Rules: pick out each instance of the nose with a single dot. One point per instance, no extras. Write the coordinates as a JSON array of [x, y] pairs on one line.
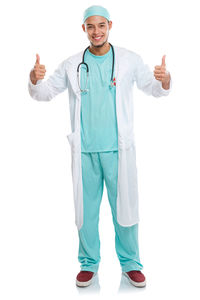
[[96, 30]]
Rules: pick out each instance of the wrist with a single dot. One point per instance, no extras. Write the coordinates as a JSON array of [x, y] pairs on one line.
[[32, 78], [166, 83]]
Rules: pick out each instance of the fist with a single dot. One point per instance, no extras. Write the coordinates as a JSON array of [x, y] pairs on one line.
[[38, 72], [160, 72]]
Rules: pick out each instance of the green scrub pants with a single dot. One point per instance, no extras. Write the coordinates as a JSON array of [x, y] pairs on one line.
[[97, 167]]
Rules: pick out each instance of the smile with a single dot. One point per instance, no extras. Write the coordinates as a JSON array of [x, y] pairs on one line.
[[97, 38]]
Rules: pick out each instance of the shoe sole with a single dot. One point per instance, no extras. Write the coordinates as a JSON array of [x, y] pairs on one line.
[[135, 283], [85, 283]]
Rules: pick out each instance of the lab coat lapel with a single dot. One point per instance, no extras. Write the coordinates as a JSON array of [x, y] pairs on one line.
[[72, 74]]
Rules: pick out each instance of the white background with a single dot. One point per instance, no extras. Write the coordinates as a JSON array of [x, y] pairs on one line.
[[38, 236]]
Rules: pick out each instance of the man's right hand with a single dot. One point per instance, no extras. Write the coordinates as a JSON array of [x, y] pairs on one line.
[[38, 72]]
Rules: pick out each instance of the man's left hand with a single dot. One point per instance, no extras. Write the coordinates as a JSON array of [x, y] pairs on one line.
[[162, 75]]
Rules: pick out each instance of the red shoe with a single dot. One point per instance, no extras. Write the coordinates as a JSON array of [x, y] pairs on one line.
[[84, 278], [136, 278]]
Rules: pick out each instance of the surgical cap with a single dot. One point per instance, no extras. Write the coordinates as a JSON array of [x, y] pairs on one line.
[[96, 10]]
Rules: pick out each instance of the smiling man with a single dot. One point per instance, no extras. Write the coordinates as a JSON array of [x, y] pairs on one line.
[[102, 139], [97, 30]]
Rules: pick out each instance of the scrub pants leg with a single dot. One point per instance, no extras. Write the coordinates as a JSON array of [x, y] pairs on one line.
[[89, 243], [97, 167]]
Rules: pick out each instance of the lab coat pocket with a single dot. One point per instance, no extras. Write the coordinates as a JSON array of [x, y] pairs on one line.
[[76, 169], [74, 141], [126, 141]]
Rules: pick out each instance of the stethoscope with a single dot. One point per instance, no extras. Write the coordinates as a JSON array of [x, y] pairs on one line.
[[112, 80]]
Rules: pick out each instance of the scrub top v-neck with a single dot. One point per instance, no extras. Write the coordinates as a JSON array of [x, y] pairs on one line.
[[98, 105]]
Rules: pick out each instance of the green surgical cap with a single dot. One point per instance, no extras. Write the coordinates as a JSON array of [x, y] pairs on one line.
[[96, 10]]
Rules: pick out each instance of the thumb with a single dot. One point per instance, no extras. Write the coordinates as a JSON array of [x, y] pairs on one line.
[[37, 59], [163, 61]]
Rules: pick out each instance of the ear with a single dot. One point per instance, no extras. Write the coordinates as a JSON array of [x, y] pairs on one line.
[[110, 24], [83, 26]]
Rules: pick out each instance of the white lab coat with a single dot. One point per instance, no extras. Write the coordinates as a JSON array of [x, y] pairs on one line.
[[129, 69]]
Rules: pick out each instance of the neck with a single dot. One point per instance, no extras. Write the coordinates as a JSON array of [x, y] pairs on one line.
[[100, 50]]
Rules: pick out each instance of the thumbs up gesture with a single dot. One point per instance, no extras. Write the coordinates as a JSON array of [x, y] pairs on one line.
[[38, 72], [162, 75]]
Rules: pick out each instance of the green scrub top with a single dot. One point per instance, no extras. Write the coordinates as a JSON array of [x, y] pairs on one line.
[[98, 105]]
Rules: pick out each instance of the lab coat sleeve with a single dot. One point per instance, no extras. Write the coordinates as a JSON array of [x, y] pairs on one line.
[[55, 84], [146, 81]]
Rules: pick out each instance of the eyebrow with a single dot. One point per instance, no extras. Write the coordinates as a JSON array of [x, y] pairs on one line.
[[99, 23]]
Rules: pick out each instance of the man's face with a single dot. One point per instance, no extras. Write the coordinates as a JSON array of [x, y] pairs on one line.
[[97, 29]]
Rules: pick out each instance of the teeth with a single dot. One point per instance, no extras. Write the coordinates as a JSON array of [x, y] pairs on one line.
[[97, 38]]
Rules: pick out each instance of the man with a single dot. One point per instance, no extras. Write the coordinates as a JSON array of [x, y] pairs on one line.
[[102, 142]]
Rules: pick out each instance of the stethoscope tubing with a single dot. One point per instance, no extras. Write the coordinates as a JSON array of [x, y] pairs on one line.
[[87, 68]]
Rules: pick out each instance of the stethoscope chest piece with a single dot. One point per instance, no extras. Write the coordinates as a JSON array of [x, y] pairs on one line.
[[112, 83]]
